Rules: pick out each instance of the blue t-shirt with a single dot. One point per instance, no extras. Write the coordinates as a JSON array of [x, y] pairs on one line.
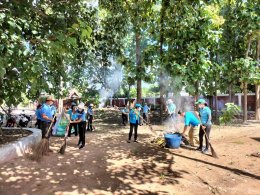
[[90, 111], [171, 108], [205, 115], [146, 109], [82, 116], [191, 119], [38, 114], [134, 116], [53, 110], [74, 116], [124, 110], [46, 109]]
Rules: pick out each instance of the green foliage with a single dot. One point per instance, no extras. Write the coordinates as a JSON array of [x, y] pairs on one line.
[[229, 113]]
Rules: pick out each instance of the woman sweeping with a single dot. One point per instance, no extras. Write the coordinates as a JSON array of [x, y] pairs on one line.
[[81, 125], [134, 118]]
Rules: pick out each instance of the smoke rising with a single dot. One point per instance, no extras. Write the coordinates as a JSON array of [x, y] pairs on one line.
[[113, 80]]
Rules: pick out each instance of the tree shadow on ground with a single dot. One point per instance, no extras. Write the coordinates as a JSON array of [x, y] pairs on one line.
[[106, 165], [234, 170], [256, 138]]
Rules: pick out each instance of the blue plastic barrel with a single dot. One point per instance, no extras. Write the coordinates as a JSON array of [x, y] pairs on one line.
[[173, 140]]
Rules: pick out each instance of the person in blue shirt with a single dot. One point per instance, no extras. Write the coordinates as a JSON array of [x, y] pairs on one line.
[[146, 110], [134, 119], [190, 120], [81, 121], [73, 117], [46, 116], [205, 117], [171, 108], [125, 112], [38, 116], [90, 117]]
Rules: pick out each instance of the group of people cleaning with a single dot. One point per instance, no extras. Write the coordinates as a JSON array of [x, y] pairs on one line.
[[198, 123], [79, 118]]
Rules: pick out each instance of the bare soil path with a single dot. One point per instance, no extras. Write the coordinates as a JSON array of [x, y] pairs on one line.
[[110, 165]]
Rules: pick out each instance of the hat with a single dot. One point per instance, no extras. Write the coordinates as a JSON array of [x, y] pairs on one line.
[[138, 106], [50, 98], [81, 106], [201, 101], [91, 105]]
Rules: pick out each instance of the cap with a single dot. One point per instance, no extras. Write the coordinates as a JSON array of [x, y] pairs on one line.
[[73, 104], [201, 101], [50, 98], [91, 105], [138, 106]]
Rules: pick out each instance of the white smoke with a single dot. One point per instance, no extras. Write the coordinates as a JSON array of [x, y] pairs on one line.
[[113, 81]]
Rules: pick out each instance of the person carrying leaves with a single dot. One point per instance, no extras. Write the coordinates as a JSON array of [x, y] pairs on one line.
[[190, 120], [134, 119]]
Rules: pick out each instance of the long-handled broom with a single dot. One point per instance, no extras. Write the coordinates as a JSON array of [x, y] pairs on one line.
[[213, 152], [42, 147]]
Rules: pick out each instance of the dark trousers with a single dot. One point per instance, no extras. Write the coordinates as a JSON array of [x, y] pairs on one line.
[[75, 125], [82, 130], [201, 135], [145, 117], [90, 119], [124, 118], [45, 127], [133, 127], [38, 124]]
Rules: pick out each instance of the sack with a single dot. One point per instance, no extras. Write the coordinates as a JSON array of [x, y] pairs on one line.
[[59, 128]]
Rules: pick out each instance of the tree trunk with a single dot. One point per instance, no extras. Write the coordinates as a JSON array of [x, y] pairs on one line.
[[231, 93], [257, 102], [245, 82], [257, 86], [164, 4], [216, 107], [138, 66], [245, 102], [162, 102]]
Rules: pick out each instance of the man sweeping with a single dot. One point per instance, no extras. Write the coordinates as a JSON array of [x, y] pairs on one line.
[[46, 117], [190, 120]]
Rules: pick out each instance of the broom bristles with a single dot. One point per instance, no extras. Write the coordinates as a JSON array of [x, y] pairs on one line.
[[40, 149], [63, 147], [213, 153]]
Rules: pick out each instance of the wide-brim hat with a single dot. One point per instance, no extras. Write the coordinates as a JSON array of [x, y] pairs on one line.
[[50, 98]]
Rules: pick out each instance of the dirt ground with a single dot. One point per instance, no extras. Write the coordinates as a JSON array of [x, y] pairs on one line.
[[110, 165]]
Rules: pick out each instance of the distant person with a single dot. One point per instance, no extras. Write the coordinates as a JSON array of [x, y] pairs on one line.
[[38, 116], [190, 120], [73, 117], [171, 109], [205, 117], [125, 112], [146, 110], [134, 119], [90, 117], [81, 122]]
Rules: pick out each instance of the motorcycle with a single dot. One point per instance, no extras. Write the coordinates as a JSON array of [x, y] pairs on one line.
[[23, 120]]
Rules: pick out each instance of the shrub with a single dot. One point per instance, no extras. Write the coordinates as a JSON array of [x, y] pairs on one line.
[[229, 113]]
